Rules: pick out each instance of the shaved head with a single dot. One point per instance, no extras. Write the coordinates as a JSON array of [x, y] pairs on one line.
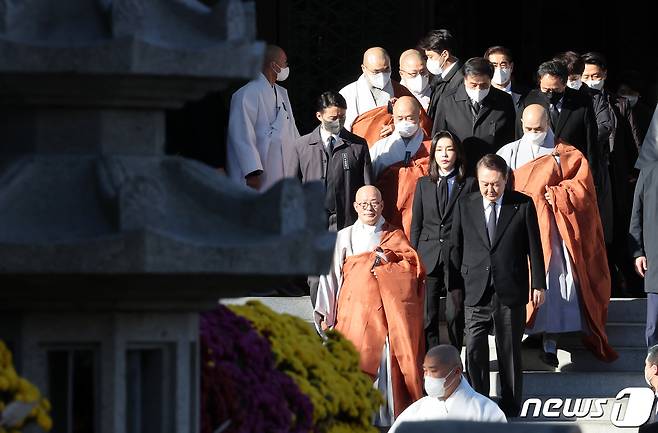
[[274, 60], [376, 59], [412, 57], [368, 191], [405, 107], [535, 118], [444, 354], [273, 53]]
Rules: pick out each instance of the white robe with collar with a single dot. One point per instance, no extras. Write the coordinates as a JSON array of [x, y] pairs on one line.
[[463, 405], [392, 149], [360, 99], [560, 311], [261, 128]]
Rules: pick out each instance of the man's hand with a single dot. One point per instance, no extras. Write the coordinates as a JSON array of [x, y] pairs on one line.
[[537, 297], [254, 180], [641, 265], [386, 130], [547, 196], [320, 324]]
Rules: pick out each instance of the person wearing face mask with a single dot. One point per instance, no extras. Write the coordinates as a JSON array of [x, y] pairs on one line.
[[449, 396], [632, 86], [623, 145], [479, 115], [261, 125], [577, 277], [399, 160], [440, 47], [374, 88], [501, 59], [431, 221], [414, 76], [575, 69], [373, 295], [651, 378]]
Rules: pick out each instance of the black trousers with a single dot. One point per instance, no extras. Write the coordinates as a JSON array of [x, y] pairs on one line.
[[508, 323], [435, 287]]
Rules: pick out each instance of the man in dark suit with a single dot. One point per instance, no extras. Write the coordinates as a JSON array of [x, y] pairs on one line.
[[571, 114], [494, 233], [479, 115], [334, 156], [442, 62], [651, 377], [501, 59], [337, 158]]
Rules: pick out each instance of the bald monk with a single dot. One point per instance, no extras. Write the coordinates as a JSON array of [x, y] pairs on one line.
[[399, 160], [414, 76], [368, 98], [558, 179], [374, 296], [449, 396]]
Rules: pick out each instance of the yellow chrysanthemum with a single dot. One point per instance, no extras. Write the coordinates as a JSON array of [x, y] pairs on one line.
[[343, 397]]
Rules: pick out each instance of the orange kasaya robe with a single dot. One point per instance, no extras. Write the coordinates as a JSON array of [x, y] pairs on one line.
[[397, 184], [369, 124], [577, 217], [387, 299]]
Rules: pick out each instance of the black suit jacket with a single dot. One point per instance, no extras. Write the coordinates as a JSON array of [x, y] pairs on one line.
[[441, 85], [342, 173], [517, 239], [489, 131], [576, 124], [430, 232]]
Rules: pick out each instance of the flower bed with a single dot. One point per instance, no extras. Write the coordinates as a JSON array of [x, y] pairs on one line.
[[21, 403], [270, 372]]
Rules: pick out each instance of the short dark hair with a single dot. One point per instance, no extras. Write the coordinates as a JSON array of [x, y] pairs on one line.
[[478, 66], [330, 99], [652, 355], [493, 162], [499, 49], [555, 68], [460, 163], [575, 64], [437, 41], [594, 58]]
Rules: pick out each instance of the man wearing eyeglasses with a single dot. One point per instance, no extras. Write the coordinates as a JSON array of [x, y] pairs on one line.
[[414, 76], [373, 295]]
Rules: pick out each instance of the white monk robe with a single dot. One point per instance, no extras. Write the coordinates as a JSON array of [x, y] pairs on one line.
[[393, 149], [560, 311], [350, 241], [361, 96], [261, 128], [463, 405]]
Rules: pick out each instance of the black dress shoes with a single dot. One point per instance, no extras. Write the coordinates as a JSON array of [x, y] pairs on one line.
[[549, 358]]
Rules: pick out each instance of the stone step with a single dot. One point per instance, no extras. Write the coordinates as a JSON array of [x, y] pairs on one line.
[[623, 334], [627, 310]]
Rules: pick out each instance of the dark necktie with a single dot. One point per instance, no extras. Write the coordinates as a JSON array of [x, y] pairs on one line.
[[475, 108], [443, 193], [332, 142], [555, 115], [491, 224]]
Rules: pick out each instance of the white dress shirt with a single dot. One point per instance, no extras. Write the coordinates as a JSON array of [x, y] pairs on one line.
[[487, 207], [325, 135]]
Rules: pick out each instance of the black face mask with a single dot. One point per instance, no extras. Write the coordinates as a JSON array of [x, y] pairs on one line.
[[554, 96]]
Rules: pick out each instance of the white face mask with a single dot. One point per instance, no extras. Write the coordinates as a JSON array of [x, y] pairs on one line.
[[575, 84], [501, 76], [435, 67], [534, 138], [435, 387], [379, 80], [477, 94], [406, 128], [595, 84], [282, 75], [416, 84]]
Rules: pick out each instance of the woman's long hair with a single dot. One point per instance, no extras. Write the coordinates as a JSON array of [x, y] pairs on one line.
[[460, 162]]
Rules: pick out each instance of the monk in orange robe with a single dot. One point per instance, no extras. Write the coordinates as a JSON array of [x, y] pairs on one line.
[[399, 160], [374, 295], [559, 180]]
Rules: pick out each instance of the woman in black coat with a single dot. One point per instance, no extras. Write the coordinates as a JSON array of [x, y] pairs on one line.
[[431, 222]]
